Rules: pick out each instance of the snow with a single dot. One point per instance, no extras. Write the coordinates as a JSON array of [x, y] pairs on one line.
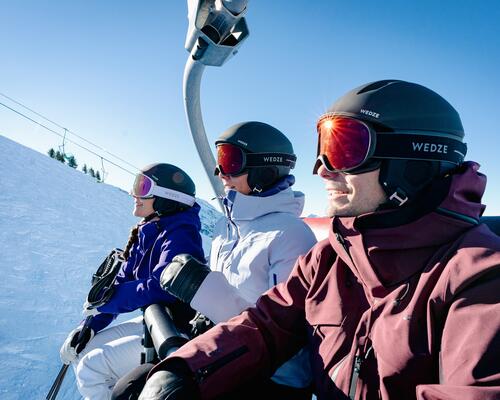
[[56, 226]]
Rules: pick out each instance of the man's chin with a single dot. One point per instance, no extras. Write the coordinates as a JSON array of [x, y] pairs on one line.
[[336, 211]]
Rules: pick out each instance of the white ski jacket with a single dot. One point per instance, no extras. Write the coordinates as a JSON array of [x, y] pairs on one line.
[[254, 248]]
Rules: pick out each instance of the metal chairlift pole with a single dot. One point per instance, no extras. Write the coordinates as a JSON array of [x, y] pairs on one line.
[[61, 147], [216, 30], [103, 170]]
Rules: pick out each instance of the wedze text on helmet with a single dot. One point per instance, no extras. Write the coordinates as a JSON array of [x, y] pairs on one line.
[[369, 113], [430, 147], [273, 159]]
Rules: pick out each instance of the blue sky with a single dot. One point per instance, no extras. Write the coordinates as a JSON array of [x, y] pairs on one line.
[[111, 71]]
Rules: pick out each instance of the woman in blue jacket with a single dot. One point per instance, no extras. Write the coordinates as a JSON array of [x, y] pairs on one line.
[[164, 199]]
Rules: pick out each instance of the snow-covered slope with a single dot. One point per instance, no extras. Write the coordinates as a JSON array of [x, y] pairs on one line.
[[56, 226]]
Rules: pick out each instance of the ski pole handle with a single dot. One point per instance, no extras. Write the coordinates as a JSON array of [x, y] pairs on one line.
[[83, 332]]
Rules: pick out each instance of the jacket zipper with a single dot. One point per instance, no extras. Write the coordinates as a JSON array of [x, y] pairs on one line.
[[229, 229], [341, 240], [203, 373], [358, 362], [358, 359]]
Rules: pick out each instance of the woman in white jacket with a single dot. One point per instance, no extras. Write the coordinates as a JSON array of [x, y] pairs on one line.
[[257, 243]]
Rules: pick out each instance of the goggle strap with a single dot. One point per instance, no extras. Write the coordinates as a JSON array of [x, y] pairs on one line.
[[267, 159], [419, 147], [172, 195]]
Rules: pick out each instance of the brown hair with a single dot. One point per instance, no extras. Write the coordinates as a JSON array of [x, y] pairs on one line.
[[134, 235]]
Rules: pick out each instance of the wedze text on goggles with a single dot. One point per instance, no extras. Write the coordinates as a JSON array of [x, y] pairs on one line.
[[231, 160], [346, 145]]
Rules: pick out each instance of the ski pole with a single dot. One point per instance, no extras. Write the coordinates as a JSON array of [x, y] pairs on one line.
[[100, 292], [54, 389]]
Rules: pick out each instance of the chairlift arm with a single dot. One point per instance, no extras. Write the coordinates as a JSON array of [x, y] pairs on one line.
[[216, 30]]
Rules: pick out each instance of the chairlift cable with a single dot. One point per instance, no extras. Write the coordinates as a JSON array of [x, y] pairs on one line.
[[70, 141], [68, 131]]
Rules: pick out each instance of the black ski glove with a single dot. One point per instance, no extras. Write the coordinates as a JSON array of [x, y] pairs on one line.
[[183, 276], [200, 324], [72, 346], [174, 382]]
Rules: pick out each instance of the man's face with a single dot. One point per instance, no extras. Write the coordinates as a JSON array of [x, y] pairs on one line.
[[352, 195]]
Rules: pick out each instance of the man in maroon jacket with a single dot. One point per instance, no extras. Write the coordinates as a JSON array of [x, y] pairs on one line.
[[402, 301]]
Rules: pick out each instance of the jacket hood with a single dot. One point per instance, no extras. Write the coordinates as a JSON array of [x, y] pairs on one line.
[[383, 257], [241, 207]]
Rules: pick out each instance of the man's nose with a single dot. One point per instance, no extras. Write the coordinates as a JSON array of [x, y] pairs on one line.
[[325, 174]]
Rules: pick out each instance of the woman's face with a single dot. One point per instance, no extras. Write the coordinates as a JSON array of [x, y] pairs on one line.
[[238, 183], [143, 207]]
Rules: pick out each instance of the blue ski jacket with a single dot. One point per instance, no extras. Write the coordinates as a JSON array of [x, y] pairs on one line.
[[138, 281]]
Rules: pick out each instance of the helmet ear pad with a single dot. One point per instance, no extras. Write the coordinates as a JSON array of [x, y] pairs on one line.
[[167, 206], [262, 178], [407, 177]]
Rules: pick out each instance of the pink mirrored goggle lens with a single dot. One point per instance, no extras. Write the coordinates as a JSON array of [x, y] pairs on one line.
[[142, 186]]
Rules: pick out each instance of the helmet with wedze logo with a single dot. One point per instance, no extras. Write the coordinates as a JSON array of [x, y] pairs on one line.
[[259, 137], [403, 108], [171, 177]]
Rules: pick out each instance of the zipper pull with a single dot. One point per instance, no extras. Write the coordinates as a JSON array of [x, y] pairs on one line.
[[358, 360]]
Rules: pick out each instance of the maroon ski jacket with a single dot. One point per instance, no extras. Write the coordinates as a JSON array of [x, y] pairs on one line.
[[410, 311]]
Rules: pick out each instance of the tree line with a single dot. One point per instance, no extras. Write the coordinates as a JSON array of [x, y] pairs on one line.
[[71, 162]]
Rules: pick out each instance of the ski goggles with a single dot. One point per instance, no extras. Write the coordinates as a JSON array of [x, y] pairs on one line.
[[146, 188], [351, 146], [234, 161]]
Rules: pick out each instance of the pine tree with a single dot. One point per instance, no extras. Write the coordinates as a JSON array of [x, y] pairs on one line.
[[52, 153], [92, 172], [72, 162], [84, 168], [98, 176]]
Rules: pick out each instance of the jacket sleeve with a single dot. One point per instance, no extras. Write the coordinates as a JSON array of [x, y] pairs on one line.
[[101, 321], [131, 295], [217, 299], [469, 365], [125, 274], [253, 344], [126, 271]]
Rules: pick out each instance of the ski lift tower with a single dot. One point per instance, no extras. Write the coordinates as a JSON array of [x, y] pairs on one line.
[[217, 28]]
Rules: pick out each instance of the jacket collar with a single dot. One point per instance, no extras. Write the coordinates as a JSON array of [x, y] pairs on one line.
[[240, 207], [149, 231], [385, 254]]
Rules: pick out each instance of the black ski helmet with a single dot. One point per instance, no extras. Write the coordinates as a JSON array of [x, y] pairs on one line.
[[171, 177], [259, 137], [405, 108]]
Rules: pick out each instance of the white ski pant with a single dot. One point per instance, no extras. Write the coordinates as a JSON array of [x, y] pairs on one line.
[[107, 357]]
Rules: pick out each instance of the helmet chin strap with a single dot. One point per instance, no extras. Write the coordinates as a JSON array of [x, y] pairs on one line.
[[261, 179], [398, 197], [403, 180]]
